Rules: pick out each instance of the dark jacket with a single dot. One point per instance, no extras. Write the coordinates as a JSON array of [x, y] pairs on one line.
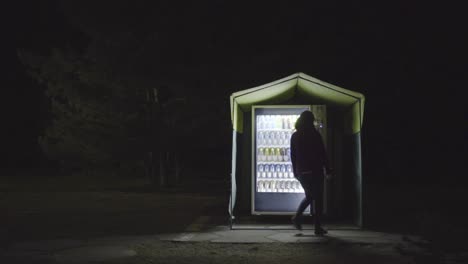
[[308, 155]]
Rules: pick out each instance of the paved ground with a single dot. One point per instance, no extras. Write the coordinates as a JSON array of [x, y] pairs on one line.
[[203, 243]]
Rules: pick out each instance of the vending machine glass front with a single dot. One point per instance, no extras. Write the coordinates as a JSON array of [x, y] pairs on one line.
[[274, 188]]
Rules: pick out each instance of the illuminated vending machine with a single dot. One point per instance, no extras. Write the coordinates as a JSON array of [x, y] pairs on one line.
[[274, 188]]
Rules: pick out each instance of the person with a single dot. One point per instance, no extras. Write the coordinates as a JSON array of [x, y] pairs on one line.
[[309, 158]]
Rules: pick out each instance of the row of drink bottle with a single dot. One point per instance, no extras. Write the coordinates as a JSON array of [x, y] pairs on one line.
[[274, 137], [279, 186], [274, 171], [276, 121], [273, 154]]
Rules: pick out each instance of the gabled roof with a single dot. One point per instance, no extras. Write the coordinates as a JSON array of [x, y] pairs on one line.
[[305, 87]]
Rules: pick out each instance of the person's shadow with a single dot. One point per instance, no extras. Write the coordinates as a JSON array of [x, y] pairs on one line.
[[310, 235]]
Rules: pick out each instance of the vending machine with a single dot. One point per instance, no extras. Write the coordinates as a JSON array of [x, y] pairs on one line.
[[274, 188]]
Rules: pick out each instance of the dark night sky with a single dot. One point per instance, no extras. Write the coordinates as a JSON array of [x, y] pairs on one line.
[[405, 57]]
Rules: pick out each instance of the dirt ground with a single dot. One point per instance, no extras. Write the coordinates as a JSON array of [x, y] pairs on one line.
[[173, 252], [78, 207]]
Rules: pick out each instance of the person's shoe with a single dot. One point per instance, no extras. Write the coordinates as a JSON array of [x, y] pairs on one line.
[[320, 231], [296, 223]]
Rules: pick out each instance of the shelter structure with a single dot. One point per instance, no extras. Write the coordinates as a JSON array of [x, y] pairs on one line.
[[345, 112]]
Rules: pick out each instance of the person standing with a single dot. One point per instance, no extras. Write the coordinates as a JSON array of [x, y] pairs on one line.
[[309, 158]]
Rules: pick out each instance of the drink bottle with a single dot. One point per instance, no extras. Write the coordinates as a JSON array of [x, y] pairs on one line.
[[260, 122], [272, 154], [278, 170], [273, 171], [266, 154], [272, 186], [289, 169], [261, 154], [267, 170], [270, 122], [278, 154], [278, 121]]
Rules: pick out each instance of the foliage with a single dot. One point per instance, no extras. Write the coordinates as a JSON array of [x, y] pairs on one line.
[[98, 92], [97, 116]]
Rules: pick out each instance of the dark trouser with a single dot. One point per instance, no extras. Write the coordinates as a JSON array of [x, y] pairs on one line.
[[313, 188]]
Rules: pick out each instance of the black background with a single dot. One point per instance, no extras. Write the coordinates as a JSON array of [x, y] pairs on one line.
[[407, 58]]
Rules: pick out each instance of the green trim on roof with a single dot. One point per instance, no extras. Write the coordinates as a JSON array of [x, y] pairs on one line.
[[303, 86]]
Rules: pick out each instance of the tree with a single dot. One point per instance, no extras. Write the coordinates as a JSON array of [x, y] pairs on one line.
[[97, 116]]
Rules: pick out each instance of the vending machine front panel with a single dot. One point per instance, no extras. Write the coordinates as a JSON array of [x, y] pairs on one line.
[[274, 188]]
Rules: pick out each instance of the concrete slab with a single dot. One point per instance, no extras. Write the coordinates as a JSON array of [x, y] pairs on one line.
[[367, 240], [243, 236], [295, 237], [242, 240], [197, 237], [121, 240], [225, 235], [290, 226], [93, 254], [355, 233], [245, 233]]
